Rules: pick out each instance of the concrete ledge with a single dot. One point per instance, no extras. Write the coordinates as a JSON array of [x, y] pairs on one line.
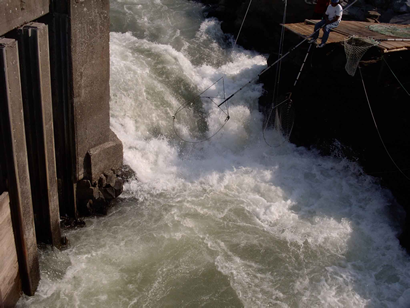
[[10, 283], [103, 158], [15, 13]]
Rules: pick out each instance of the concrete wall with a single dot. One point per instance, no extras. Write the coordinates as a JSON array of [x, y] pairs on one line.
[[68, 89], [15, 13], [10, 283]]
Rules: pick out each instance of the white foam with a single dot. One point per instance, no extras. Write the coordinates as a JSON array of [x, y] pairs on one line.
[[230, 220]]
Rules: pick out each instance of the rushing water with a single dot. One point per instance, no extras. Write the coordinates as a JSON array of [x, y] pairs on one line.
[[230, 222]]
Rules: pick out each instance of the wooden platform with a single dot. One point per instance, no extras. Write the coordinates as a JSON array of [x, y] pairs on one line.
[[10, 283], [349, 28]]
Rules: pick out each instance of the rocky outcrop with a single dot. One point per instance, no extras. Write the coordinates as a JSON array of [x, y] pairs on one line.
[[95, 197]]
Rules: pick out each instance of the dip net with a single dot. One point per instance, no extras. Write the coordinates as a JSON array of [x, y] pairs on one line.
[[355, 48]]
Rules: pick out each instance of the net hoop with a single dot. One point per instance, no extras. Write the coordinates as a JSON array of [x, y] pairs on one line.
[[189, 107], [355, 47], [197, 105]]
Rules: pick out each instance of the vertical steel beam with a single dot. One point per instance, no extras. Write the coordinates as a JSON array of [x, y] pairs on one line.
[[13, 131]]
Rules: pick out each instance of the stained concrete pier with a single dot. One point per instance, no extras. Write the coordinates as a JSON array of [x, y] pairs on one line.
[[55, 117]]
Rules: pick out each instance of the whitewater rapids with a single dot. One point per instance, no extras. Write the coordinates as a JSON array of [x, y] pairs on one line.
[[230, 222]]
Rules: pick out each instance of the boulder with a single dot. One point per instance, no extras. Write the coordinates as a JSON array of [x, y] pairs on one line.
[[403, 19], [125, 173], [96, 198], [355, 13], [401, 6], [111, 177], [387, 15], [102, 181]]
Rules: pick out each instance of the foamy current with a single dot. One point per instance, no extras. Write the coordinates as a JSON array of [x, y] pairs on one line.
[[230, 222]]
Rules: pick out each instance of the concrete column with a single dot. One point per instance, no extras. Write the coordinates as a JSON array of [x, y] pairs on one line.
[[90, 74], [38, 114], [10, 283], [86, 147], [12, 128]]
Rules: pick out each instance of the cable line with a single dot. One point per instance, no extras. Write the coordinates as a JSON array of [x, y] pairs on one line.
[[277, 75], [279, 67], [395, 76], [243, 21], [377, 129]]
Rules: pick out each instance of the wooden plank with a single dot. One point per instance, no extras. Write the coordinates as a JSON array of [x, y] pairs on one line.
[[298, 28], [306, 31], [397, 49], [12, 128], [10, 284], [389, 45], [293, 30]]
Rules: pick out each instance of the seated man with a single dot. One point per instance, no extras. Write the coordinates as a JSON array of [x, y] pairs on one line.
[[332, 19]]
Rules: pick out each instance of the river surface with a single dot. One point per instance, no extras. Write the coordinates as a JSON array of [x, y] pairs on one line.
[[230, 222]]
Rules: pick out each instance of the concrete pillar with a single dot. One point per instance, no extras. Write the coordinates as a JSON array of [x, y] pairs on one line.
[[94, 149], [12, 128], [90, 56], [38, 114], [10, 283]]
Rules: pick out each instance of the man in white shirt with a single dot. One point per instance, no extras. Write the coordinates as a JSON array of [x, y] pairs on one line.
[[332, 19]]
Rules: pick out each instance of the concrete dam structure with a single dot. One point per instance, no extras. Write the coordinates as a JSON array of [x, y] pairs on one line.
[[58, 156]]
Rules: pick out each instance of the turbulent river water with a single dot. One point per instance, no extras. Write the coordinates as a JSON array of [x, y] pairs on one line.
[[230, 222]]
